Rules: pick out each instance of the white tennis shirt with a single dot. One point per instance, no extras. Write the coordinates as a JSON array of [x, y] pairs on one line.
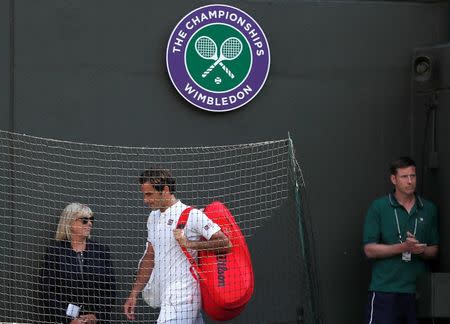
[[176, 284]]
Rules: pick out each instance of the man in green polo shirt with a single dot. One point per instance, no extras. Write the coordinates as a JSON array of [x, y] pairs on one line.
[[400, 233]]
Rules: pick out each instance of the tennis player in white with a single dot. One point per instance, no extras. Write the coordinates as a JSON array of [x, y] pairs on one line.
[[164, 265]]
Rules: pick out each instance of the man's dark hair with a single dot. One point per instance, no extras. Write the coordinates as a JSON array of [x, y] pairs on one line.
[[159, 178], [400, 163]]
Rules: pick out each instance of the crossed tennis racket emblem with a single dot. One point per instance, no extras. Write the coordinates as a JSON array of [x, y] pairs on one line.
[[230, 49]]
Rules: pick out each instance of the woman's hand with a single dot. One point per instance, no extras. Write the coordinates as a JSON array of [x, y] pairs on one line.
[[89, 318], [85, 319], [77, 321]]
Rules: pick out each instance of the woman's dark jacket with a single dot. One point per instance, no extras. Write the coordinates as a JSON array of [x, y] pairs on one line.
[[83, 279]]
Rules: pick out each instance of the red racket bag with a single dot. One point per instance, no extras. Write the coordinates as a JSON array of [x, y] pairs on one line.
[[226, 280]]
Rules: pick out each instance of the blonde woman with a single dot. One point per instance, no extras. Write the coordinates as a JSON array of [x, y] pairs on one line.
[[78, 284]]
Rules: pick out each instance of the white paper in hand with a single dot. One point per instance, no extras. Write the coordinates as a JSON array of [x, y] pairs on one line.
[[73, 311]]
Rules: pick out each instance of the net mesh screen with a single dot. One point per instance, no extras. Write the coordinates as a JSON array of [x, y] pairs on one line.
[[40, 177]]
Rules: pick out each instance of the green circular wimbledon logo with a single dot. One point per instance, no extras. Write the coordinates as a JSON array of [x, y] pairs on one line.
[[218, 58]]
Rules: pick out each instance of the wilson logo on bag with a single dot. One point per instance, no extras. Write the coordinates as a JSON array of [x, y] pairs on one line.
[[226, 280]]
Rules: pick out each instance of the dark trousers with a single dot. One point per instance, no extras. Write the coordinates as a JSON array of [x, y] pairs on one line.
[[391, 308]]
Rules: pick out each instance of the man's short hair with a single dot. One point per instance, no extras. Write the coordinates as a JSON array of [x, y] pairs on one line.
[[401, 163], [159, 178]]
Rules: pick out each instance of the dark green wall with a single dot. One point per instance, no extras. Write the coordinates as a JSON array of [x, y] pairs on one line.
[[4, 65], [94, 71]]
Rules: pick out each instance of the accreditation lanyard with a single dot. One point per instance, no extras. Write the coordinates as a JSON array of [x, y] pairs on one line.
[[398, 226]]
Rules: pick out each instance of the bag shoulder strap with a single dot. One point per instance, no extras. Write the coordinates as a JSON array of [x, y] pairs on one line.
[[184, 218], [181, 225]]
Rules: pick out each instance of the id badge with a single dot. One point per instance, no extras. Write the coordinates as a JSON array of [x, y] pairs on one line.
[[406, 256]]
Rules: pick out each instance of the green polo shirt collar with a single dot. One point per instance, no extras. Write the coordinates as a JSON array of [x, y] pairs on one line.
[[395, 204]]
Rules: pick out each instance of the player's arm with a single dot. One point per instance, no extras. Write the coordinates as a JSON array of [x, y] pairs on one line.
[[218, 242], [143, 275]]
